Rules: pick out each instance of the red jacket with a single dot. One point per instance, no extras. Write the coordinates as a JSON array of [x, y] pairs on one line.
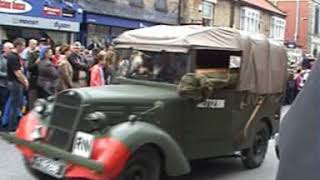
[[55, 59], [97, 76]]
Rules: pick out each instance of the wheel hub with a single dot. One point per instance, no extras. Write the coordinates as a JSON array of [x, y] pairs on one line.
[[260, 143], [137, 173]]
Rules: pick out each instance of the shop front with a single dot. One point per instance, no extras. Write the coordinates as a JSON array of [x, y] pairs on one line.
[[56, 20], [101, 29]]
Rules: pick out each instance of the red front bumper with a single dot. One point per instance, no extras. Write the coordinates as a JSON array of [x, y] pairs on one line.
[[110, 153]]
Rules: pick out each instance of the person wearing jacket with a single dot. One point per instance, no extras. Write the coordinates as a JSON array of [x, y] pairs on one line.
[[4, 92], [17, 83], [65, 69], [55, 58], [79, 65], [31, 56], [97, 74], [48, 75]]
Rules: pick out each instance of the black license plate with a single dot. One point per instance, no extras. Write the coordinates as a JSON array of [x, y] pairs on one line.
[[49, 166]]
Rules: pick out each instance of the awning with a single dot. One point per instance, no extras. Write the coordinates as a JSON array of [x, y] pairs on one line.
[[116, 21]]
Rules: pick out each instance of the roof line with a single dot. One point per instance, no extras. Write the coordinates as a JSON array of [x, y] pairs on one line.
[[260, 7], [284, 13]]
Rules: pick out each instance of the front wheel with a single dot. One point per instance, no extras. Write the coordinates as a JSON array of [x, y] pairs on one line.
[[254, 156], [144, 165]]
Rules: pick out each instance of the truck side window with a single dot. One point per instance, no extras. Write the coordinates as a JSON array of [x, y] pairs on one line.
[[208, 59], [219, 65]]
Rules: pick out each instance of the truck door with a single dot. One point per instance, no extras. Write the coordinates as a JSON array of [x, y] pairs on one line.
[[208, 127]]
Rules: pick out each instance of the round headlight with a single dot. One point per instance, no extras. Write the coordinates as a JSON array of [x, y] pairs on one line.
[[40, 106], [97, 120]]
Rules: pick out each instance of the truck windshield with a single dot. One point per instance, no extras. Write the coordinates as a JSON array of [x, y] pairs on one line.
[[152, 66]]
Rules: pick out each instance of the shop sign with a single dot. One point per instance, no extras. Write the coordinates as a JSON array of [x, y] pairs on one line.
[[62, 25], [70, 13], [41, 23], [14, 6], [51, 11]]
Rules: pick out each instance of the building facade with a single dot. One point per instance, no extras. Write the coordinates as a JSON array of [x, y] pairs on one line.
[[253, 16], [54, 19], [104, 20], [303, 23]]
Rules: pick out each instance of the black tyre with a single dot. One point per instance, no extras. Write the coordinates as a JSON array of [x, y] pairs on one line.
[[37, 174], [254, 156], [144, 165]]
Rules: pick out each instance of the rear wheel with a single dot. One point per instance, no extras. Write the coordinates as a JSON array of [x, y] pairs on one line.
[[254, 156], [144, 165]]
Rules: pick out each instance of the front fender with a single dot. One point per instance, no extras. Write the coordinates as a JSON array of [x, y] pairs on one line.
[[136, 134]]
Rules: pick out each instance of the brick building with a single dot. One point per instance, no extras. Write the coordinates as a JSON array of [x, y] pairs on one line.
[[254, 16], [303, 19]]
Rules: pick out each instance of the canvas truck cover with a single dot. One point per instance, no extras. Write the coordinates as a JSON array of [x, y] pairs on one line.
[[263, 66]]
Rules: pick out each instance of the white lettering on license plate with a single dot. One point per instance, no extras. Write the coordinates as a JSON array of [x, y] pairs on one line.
[[213, 104], [48, 166], [82, 145]]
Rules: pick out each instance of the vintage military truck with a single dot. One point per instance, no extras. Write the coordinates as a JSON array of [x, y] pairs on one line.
[[149, 124]]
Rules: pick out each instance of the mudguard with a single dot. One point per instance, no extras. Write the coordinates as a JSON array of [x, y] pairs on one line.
[[136, 134]]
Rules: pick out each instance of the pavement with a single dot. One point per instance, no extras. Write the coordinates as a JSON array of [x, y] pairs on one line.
[[11, 167]]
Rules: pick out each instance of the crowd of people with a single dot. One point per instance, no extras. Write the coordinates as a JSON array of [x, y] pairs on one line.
[[298, 75], [40, 70]]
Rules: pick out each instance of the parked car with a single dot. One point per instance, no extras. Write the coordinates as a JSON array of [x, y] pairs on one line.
[[151, 123]]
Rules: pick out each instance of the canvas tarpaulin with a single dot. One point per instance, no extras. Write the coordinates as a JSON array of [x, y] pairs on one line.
[[264, 66], [178, 38], [264, 63]]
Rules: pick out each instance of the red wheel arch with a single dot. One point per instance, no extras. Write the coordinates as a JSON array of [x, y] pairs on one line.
[[112, 153]]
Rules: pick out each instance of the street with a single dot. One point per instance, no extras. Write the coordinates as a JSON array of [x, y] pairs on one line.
[[11, 167]]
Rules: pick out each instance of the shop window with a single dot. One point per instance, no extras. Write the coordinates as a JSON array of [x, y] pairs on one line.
[[161, 5], [138, 3], [98, 34]]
